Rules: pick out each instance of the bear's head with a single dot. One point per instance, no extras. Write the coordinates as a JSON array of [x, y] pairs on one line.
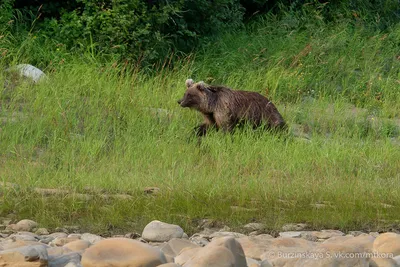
[[197, 96]]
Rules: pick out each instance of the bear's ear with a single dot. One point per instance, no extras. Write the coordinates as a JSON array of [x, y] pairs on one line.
[[189, 82], [201, 86]]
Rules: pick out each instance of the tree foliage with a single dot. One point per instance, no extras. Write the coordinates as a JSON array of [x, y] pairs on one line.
[[148, 31]]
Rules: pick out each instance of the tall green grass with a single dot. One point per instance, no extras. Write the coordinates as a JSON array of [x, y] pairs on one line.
[[108, 128]]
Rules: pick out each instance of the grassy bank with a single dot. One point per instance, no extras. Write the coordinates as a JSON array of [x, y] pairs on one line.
[[107, 129]]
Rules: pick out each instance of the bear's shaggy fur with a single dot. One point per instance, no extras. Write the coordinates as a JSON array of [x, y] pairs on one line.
[[225, 108]]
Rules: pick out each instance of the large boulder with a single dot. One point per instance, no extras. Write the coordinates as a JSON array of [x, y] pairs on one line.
[[27, 256], [387, 243], [175, 246], [333, 255], [122, 252], [221, 252], [78, 245]]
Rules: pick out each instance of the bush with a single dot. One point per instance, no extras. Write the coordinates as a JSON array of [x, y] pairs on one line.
[[142, 31], [146, 32], [6, 14]]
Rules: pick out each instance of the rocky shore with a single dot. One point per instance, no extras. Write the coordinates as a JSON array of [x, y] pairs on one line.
[[25, 244]]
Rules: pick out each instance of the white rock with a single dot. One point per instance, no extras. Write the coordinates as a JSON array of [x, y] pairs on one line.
[[293, 234], [91, 238], [157, 231], [30, 72], [226, 234]]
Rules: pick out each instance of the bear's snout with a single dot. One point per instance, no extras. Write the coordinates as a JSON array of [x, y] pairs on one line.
[[183, 102]]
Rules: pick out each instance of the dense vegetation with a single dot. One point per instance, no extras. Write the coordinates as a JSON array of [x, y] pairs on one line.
[[105, 123], [153, 31]]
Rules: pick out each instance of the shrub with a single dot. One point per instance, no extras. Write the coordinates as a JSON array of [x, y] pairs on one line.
[[6, 14], [146, 32], [142, 31]]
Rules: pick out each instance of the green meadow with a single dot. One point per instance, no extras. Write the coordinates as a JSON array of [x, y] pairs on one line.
[[100, 132]]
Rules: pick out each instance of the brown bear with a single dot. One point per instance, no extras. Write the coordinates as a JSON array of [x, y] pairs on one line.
[[225, 108]]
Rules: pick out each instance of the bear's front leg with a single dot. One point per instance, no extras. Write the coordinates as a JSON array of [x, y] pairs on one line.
[[225, 121], [201, 130], [209, 121]]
